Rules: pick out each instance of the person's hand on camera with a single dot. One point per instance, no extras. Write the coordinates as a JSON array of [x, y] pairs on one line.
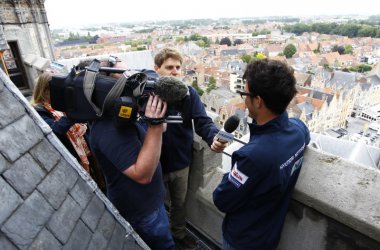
[[156, 108]]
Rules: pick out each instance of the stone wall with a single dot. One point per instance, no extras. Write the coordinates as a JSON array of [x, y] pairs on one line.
[[25, 22], [336, 203], [47, 200]]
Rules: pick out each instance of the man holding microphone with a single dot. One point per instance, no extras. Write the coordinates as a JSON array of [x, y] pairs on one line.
[[256, 193]]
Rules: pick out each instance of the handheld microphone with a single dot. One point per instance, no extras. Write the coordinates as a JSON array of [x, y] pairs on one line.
[[229, 126]]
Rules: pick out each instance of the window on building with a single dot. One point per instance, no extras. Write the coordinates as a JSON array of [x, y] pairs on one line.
[[13, 63]]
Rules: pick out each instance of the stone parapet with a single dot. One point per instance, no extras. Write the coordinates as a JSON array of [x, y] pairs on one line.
[[335, 205]]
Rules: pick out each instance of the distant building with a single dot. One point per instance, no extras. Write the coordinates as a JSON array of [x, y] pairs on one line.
[[236, 82], [371, 114]]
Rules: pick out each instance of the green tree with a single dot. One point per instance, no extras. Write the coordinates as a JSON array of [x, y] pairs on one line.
[[197, 88], [339, 49], [348, 49], [260, 56], [226, 41], [195, 37], [180, 39], [246, 58], [211, 84], [318, 49], [361, 68], [200, 43], [289, 50], [238, 41]]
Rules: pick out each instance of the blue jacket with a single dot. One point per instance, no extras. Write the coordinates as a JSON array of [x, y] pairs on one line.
[[116, 150], [256, 193], [178, 139], [59, 127]]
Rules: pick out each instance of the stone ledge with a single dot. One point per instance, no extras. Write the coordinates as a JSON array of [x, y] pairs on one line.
[[338, 189], [344, 191]]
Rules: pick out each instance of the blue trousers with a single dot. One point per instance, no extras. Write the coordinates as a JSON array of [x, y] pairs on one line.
[[226, 245], [154, 229]]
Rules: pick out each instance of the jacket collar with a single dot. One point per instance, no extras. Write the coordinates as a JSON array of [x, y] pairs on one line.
[[273, 125]]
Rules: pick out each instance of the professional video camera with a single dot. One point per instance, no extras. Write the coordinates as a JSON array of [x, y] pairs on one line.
[[85, 94]]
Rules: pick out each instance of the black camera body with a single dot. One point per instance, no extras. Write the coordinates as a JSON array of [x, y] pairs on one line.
[[86, 94]]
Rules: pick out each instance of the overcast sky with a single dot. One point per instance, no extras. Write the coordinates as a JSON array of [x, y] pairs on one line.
[[71, 12]]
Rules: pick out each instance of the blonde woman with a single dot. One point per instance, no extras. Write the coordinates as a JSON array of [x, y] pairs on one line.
[[71, 134]]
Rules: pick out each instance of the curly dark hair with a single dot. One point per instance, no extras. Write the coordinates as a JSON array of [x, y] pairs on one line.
[[273, 81]]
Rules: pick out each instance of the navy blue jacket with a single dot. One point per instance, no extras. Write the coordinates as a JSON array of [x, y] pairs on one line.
[[256, 193], [116, 150], [59, 127], [178, 139]]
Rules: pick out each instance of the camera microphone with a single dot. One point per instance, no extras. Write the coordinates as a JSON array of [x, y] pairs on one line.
[[229, 126], [171, 89]]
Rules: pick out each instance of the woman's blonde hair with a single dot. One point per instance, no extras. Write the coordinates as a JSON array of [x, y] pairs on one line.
[[41, 92]]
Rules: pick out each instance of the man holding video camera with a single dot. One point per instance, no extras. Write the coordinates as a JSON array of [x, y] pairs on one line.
[[176, 156], [130, 161]]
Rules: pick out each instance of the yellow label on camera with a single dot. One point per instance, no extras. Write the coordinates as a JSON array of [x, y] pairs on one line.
[[125, 112]]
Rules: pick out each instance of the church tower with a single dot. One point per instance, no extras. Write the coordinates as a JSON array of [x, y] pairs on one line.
[[25, 43]]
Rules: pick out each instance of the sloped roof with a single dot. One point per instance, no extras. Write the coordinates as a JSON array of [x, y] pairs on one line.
[[134, 60], [357, 152], [48, 200], [301, 77], [234, 65], [307, 106], [343, 80], [232, 52]]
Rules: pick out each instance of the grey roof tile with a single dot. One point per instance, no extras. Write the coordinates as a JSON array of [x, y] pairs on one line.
[[67, 215], [117, 239], [46, 155], [45, 241], [24, 175], [93, 213], [19, 137], [10, 200], [81, 193], [3, 164], [9, 103], [5, 243], [28, 220], [79, 238]]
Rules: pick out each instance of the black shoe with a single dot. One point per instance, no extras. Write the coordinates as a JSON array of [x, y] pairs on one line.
[[186, 243]]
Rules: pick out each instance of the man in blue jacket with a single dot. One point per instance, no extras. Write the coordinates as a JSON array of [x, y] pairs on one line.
[[129, 158], [256, 193], [176, 155]]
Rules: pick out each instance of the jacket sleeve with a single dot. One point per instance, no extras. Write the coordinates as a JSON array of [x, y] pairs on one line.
[[59, 127], [203, 124], [236, 186]]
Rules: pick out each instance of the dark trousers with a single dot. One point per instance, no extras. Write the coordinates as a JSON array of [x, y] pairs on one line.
[[154, 229]]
